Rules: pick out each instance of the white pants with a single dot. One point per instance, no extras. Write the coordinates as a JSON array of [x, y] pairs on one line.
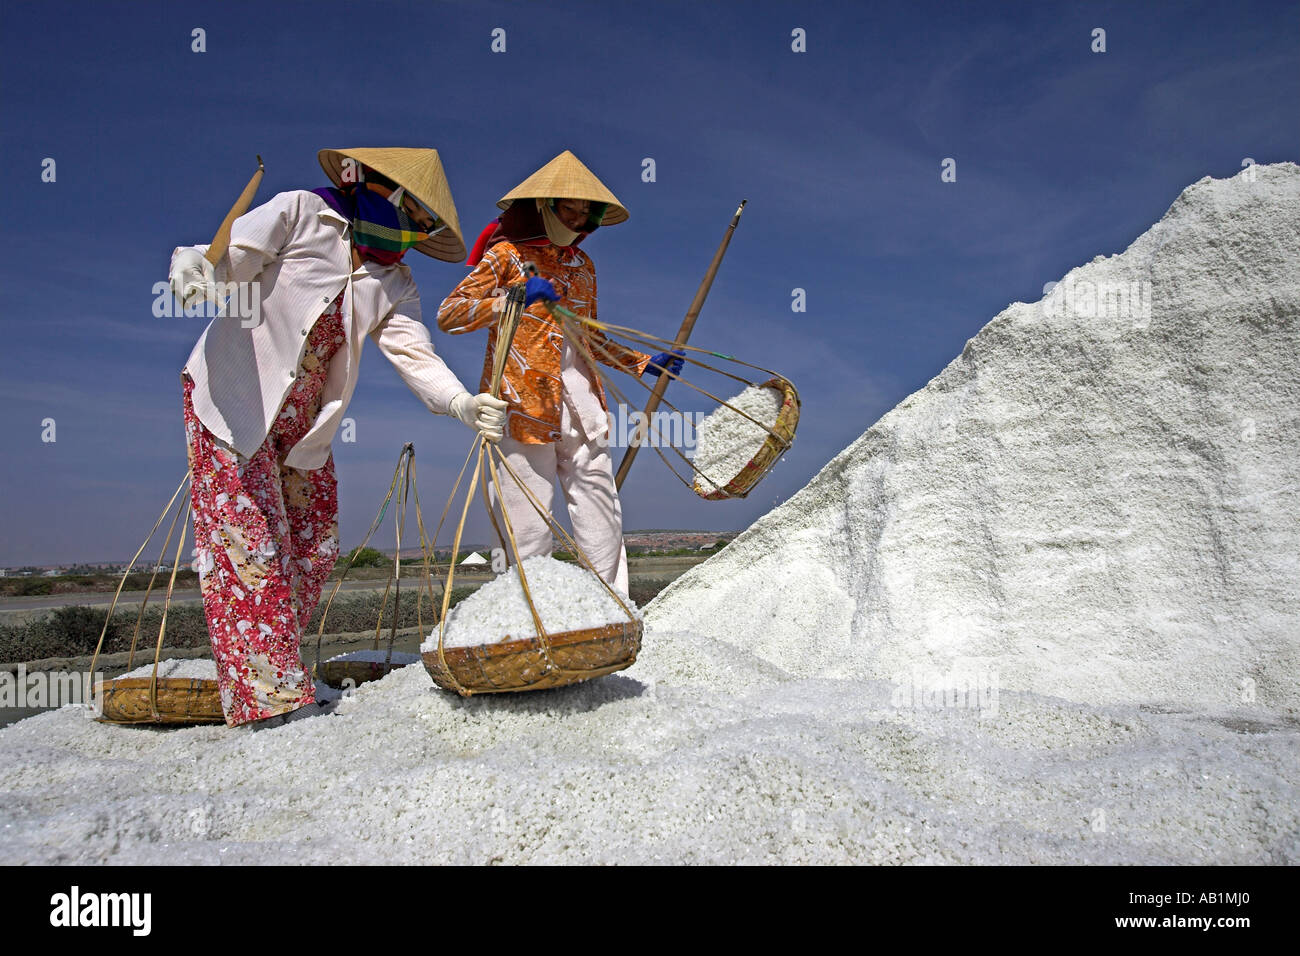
[[587, 479]]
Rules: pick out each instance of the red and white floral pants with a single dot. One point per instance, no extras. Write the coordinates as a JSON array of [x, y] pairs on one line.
[[266, 539]]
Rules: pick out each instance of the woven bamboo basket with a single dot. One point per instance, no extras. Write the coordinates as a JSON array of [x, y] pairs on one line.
[[181, 700], [787, 420], [515, 665]]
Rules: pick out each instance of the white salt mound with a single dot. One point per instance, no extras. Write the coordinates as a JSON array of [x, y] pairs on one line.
[[198, 668], [702, 753], [753, 736], [567, 598], [726, 441], [1097, 506], [400, 658]]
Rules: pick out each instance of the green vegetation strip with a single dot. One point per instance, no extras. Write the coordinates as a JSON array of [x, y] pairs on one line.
[[74, 630]]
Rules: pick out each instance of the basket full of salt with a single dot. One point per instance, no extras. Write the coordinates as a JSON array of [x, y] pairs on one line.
[[185, 692], [738, 444], [568, 627]]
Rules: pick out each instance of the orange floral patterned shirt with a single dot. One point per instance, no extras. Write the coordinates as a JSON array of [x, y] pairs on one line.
[[532, 383]]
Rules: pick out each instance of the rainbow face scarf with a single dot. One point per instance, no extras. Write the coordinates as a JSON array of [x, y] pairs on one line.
[[381, 232]]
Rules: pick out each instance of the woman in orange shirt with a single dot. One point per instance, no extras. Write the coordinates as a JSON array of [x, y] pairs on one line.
[[557, 421]]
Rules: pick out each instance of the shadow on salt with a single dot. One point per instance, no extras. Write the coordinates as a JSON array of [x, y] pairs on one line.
[[581, 698]]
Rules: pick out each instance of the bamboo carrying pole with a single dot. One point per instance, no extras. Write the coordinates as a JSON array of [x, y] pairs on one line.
[[684, 333], [221, 241]]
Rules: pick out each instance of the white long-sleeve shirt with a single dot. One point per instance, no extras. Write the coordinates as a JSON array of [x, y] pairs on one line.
[[298, 252]]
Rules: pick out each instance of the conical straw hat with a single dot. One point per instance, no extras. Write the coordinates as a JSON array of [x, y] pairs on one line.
[[420, 171], [565, 177]]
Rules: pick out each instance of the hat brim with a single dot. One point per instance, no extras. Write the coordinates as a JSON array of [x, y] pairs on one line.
[[614, 213]]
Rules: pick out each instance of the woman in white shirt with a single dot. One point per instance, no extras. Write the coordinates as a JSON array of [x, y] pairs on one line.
[[265, 392]]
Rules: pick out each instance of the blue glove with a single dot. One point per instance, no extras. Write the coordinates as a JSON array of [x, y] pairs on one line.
[[539, 288], [672, 361]]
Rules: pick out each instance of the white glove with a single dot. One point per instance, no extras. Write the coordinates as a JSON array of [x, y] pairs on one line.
[[482, 412], [193, 278]]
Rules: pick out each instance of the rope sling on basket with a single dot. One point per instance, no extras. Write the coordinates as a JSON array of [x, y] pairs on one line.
[[522, 661], [154, 699], [359, 667], [738, 448], [737, 445]]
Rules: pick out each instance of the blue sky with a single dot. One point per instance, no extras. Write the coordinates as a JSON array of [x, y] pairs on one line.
[[1062, 154]]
